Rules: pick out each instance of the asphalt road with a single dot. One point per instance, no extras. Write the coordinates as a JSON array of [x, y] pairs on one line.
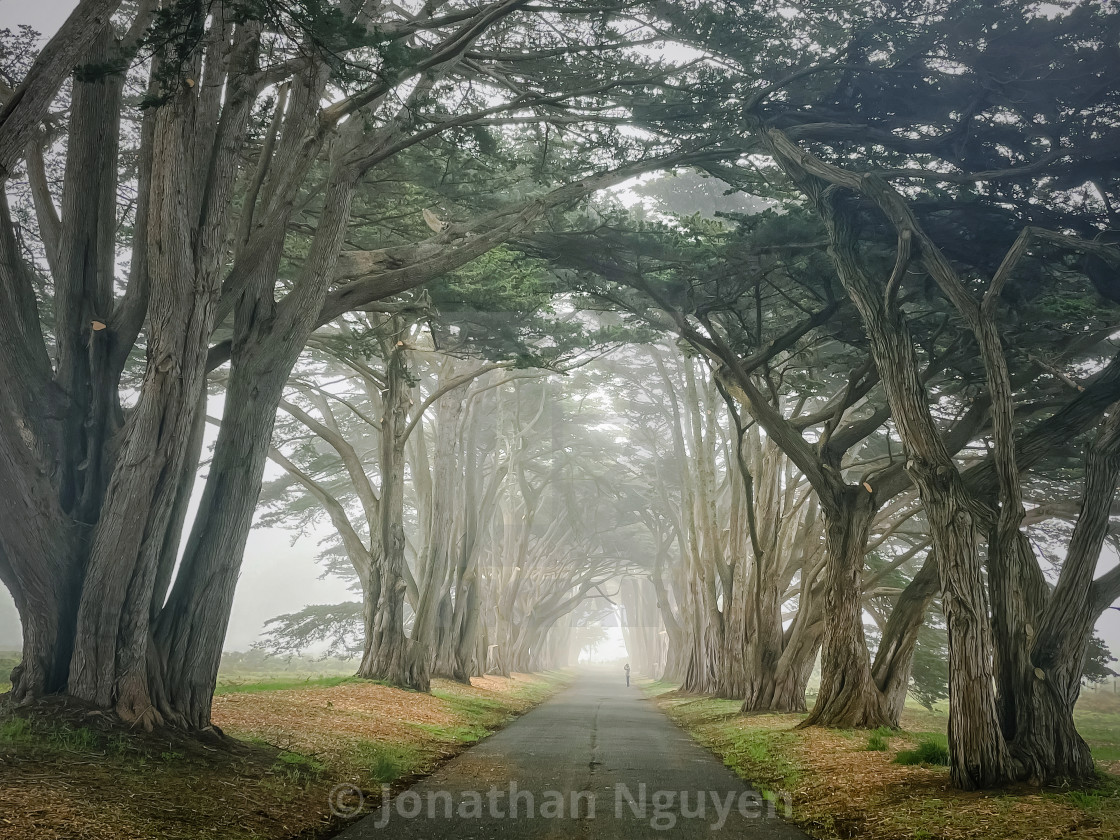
[[598, 761]]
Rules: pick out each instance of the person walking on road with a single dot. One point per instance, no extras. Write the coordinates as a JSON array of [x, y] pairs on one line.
[[627, 670]]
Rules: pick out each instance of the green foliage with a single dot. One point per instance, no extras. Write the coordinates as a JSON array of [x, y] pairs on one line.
[[297, 767], [338, 627], [503, 305], [14, 730], [877, 742], [929, 673], [179, 29], [385, 763], [282, 685], [501, 280], [1097, 659], [932, 749]]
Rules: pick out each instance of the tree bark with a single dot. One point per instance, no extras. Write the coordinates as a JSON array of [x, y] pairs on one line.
[[979, 755], [390, 655], [895, 655], [848, 697]]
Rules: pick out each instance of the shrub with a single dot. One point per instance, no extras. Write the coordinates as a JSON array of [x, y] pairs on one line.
[[14, 730], [929, 751]]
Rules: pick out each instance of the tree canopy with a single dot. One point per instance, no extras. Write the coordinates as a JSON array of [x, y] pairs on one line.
[[849, 392]]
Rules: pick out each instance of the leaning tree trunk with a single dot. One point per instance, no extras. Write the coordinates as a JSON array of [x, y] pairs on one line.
[[1038, 700], [673, 668], [467, 623], [978, 751], [754, 638], [704, 643], [113, 663], [1039, 676], [268, 339], [895, 656], [55, 426]]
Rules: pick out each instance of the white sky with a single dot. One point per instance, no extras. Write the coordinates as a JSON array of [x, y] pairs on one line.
[[44, 15]]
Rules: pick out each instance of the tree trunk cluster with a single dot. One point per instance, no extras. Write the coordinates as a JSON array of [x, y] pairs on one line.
[[1011, 693]]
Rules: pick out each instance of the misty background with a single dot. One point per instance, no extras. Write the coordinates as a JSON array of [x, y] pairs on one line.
[[279, 573]]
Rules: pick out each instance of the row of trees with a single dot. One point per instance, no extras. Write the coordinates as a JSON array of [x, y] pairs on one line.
[[949, 232], [504, 525], [875, 391], [192, 199]]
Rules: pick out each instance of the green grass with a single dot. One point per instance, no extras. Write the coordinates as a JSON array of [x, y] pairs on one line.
[[758, 754], [282, 684], [478, 716], [468, 704], [296, 767], [877, 743], [655, 688], [1098, 721], [459, 734], [8, 660], [385, 763], [14, 730], [753, 750], [56, 737], [879, 739], [932, 749]]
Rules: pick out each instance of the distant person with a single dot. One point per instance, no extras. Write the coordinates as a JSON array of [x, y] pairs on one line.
[[627, 670]]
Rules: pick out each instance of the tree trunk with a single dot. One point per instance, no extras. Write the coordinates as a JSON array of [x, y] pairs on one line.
[[268, 339], [1037, 698], [433, 628], [781, 688], [895, 656], [47, 608], [978, 751], [390, 655], [849, 698], [112, 657], [209, 571]]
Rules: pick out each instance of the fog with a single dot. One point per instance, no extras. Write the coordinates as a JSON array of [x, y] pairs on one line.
[[280, 575]]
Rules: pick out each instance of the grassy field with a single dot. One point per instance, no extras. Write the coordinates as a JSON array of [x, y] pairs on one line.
[[893, 785], [254, 669], [8, 661], [68, 774]]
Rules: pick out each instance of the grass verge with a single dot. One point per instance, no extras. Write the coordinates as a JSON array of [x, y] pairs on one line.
[[888, 785], [66, 772]]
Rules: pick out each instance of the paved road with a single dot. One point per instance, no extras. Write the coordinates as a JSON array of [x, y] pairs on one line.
[[599, 761]]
